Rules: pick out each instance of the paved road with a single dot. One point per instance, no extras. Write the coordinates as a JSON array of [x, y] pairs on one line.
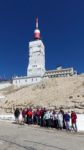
[[16, 137]]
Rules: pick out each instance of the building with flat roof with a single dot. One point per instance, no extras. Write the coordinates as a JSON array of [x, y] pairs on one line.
[[60, 72]]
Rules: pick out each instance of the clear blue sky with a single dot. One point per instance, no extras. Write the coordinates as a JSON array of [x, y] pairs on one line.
[[61, 23]]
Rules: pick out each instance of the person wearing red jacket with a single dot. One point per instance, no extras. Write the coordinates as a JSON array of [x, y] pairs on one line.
[[29, 113], [74, 120]]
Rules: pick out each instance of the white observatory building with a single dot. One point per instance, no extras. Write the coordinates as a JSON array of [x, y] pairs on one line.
[[36, 65]]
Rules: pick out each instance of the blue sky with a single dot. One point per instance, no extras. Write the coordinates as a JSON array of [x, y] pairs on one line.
[[61, 23]]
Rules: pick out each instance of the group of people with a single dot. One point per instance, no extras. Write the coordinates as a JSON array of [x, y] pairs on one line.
[[47, 118]]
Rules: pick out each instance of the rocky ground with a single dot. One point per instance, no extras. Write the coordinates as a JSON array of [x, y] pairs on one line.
[[67, 93]]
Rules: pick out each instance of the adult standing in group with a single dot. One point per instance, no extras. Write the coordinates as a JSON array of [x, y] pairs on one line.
[[60, 120], [74, 121], [16, 114], [21, 117], [30, 114], [47, 118], [67, 120]]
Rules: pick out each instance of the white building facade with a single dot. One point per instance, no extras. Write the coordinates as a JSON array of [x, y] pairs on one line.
[[60, 72], [25, 80], [36, 66]]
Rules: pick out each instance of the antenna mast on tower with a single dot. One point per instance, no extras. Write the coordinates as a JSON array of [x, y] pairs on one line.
[[37, 31]]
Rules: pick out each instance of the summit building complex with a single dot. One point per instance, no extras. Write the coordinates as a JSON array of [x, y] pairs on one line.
[[36, 66]]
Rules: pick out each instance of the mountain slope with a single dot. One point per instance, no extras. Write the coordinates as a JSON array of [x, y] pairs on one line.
[[56, 92]]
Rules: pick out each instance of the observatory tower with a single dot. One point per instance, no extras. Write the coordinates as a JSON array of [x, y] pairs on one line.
[[36, 66]]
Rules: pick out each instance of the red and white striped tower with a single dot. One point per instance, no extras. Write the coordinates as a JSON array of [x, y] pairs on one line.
[[37, 31]]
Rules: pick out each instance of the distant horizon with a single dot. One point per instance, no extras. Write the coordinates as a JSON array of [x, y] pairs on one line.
[[61, 24]]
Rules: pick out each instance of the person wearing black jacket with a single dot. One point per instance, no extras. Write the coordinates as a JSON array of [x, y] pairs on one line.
[[16, 114]]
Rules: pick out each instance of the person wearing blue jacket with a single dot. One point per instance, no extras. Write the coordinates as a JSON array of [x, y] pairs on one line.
[[67, 120]]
